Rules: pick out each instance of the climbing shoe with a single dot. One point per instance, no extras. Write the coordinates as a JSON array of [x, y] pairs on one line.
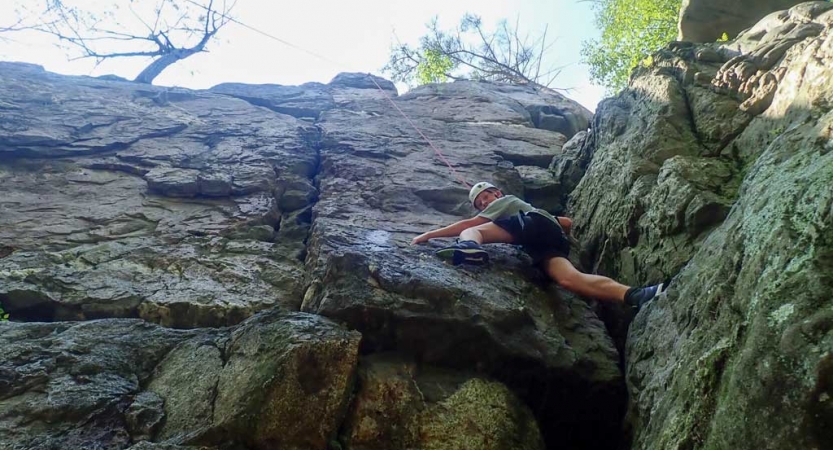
[[640, 296], [464, 252]]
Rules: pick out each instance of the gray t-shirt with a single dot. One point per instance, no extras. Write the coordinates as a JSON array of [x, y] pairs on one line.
[[508, 206]]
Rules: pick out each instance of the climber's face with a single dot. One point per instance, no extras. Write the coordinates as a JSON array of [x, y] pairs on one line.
[[486, 198]]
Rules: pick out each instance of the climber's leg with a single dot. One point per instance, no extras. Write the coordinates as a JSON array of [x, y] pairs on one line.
[[561, 270]]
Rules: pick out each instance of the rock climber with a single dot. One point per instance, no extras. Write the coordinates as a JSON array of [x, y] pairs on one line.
[[510, 220]]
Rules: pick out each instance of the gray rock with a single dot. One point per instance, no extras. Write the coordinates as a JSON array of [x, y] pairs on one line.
[[543, 109], [187, 381], [726, 187], [145, 445], [135, 207], [68, 385], [638, 130], [286, 383], [542, 189], [707, 20], [380, 186], [569, 167], [361, 81], [401, 406], [306, 101], [198, 209], [144, 416], [81, 385]]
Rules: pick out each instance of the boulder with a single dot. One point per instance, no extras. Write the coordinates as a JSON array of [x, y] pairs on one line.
[[707, 20], [713, 168], [138, 201], [306, 101], [401, 405], [277, 379]]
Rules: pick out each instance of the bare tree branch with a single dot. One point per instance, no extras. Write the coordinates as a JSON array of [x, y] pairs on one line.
[[503, 55], [169, 33]]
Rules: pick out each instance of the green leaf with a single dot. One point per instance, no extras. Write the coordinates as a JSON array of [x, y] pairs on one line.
[[433, 67], [631, 30]]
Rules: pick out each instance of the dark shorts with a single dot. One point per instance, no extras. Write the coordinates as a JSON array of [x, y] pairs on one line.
[[539, 236]]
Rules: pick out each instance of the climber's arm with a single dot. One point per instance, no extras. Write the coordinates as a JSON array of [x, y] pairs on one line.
[[566, 224], [452, 230]]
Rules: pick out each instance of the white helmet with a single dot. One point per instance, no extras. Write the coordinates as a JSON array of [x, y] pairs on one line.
[[478, 188]]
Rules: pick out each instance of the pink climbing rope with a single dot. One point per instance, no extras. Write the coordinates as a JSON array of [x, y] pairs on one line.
[[436, 150]]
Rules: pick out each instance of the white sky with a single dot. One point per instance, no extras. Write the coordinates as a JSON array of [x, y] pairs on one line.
[[353, 35]]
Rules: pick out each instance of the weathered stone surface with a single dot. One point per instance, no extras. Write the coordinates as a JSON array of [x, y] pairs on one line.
[[379, 186], [149, 202], [187, 381], [384, 410], [195, 209], [286, 384], [362, 81], [751, 354], [639, 131], [400, 406], [569, 167], [68, 385], [502, 421], [707, 20], [304, 101], [541, 188], [145, 445], [738, 206], [667, 114], [144, 416], [547, 110], [103, 384]]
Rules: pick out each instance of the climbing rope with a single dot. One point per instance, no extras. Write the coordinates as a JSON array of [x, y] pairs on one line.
[[342, 66]]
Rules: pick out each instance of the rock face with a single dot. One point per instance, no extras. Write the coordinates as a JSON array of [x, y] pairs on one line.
[[429, 408], [124, 201], [105, 383], [707, 20], [156, 245], [232, 268], [715, 167]]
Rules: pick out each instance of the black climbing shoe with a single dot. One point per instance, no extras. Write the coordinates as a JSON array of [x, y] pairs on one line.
[[639, 297], [464, 252]]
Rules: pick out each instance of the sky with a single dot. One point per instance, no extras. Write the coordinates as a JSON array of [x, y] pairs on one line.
[[350, 35]]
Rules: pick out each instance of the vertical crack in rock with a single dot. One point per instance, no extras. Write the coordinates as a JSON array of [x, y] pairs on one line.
[[495, 322], [179, 222], [690, 113]]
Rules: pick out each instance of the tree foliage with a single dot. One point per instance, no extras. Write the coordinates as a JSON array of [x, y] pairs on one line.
[[433, 67], [472, 52], [166, 31], [631, 30]]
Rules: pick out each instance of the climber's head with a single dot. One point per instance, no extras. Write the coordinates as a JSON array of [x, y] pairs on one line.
[[482, 194]]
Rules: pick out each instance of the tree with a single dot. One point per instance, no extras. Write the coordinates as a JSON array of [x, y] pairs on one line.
[[167, 31], [433, 67], [470, 52], [631, 30]]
